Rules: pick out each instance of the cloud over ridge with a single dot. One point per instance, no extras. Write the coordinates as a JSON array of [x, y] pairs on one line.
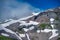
[[15, 9]]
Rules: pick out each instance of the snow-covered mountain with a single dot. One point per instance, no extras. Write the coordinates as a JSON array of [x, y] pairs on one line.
[[11, 25]]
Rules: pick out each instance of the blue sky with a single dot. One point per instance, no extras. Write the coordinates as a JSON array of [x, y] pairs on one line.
[[43, 4], [22, 8]]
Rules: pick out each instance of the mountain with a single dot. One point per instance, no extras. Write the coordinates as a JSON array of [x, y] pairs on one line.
[[30, 23], [46, 15]]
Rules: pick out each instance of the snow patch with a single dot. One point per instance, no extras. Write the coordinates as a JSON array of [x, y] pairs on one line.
[[9, 31], [31, 28], [35, 14], [22, 35], [54, 34], [4, 34], [33, 22], [51, 19], [25, 29], [38, 31], [25, 18]]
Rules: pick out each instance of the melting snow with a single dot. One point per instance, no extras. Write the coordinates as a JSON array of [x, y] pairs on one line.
[[27, 36], [25, 29], [25, 18], [31, 28], [38, 31], [34, 23], [4, 34], [35, 14], [22, 35], [51, 19], [7, 30], [54, 34], [47, 30], [8, 23], [52, 25]]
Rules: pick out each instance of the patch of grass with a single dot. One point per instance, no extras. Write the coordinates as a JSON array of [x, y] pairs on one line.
[[57, 18], [5, 38], [43, 25]]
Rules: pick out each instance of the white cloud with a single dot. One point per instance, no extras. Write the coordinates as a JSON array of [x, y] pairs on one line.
[[12, 8]]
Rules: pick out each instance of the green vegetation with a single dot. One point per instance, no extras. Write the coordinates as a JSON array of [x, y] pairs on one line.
[[43, 25], [5, 38], [57, 18], [21, 31], [32, 39]]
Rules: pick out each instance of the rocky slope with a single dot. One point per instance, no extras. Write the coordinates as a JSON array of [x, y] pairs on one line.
[[44, 16]]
